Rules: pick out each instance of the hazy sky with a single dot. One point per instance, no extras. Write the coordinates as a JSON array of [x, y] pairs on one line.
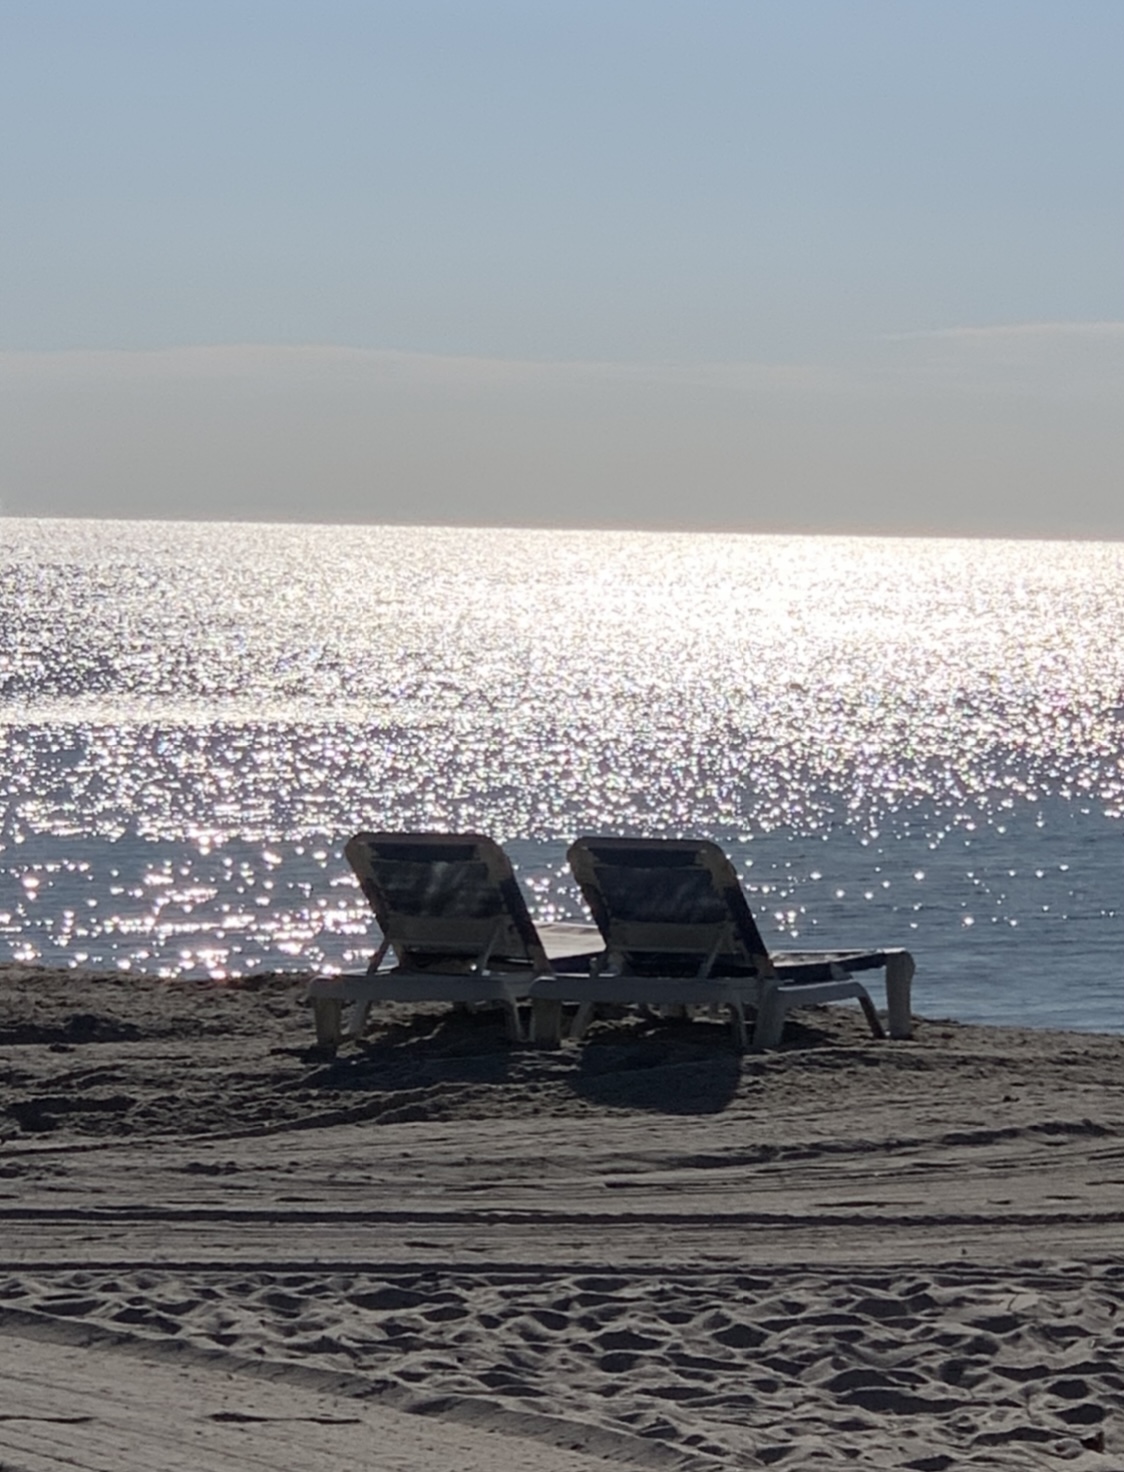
[[764, 264]]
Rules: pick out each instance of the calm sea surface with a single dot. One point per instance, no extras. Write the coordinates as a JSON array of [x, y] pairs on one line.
[[899, 741]]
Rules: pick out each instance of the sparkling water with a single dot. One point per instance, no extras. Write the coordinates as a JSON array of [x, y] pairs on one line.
[[899, 742]]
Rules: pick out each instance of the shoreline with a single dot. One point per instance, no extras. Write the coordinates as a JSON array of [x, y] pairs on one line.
[[644, 1249], [17, 973]]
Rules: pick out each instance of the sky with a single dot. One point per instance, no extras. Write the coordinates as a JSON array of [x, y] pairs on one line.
[[758, 265]]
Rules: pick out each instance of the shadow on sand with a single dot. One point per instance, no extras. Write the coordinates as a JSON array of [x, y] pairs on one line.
[[453, 1046], [666, 1067], [632, 1061]]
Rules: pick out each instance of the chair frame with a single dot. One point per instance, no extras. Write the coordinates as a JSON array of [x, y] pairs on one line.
[[771, 984], [469, 960]]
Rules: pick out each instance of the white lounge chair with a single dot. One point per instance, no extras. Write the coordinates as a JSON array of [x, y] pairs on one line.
[[451, 912], [678, 932]]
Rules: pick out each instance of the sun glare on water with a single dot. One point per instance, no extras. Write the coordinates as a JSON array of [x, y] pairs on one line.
[[219, 704]]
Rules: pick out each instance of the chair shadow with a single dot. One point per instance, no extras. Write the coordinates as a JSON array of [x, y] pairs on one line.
[[662, 1067], [632, 1061], [418, 1051], [666, 1066]]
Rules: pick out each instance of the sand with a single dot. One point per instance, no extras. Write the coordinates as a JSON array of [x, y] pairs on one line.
[[219, 1249]]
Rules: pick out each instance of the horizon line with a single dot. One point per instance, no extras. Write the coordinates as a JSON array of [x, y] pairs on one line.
[[608, 527]]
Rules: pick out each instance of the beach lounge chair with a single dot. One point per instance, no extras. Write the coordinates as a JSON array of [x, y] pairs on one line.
[[678, 932], [452, 913]]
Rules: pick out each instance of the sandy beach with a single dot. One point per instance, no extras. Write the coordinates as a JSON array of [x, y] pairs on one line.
[[220, 1249]]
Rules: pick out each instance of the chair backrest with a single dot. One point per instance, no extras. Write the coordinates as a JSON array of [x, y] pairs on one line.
[[668, 906], [445, 901]]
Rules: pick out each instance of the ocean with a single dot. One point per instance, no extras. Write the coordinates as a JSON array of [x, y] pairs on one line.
[[898, 741]]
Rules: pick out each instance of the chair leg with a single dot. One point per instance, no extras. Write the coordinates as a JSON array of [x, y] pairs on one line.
[[899, 975], [582, 1018], [869, 1013], [327, 1014], [514, 1023], [770, 1017], [357, 1022], [737, 1022], [546, 1022]]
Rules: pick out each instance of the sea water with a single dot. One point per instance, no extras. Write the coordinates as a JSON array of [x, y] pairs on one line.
[[899, 742]]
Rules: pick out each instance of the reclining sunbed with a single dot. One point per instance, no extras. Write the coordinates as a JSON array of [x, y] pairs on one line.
[[453, 915], [678, 932]]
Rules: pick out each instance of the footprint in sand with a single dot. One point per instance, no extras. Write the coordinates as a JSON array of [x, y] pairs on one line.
[[549, 1319], [741, 1336], [68, 1307]]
